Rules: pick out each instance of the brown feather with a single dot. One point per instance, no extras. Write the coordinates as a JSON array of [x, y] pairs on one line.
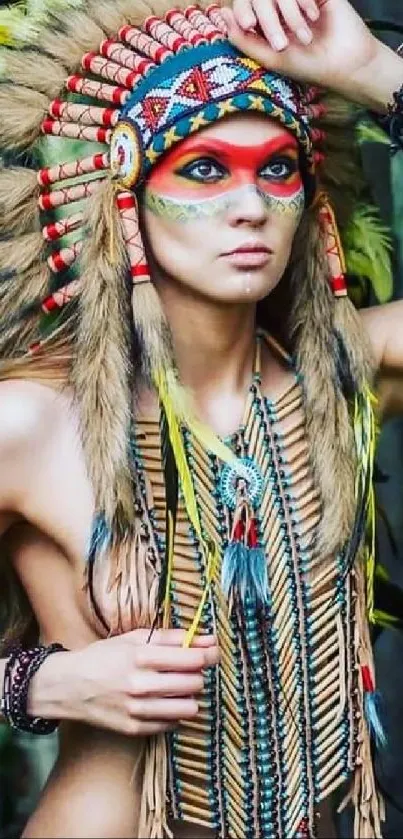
[[22, 112], [51, 362], [18, 254], [15, 338], [72, 34], [34, 70], [19, 192], [329, 427], [101, 371], [112, 16], [21, 291], [356, 341], [152, 330]]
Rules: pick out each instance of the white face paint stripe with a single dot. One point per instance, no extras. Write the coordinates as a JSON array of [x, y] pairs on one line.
[[171, 208]]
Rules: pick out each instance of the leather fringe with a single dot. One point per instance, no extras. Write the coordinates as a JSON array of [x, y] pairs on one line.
[[368, 804], [153, 821]]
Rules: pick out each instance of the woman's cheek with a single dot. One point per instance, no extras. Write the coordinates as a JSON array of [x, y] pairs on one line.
[[177, 247], [284, 203]]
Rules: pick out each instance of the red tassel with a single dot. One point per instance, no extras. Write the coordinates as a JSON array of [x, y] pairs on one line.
[[367, 680], [253, 540], [339, 286], [303, 829], [239, 531]]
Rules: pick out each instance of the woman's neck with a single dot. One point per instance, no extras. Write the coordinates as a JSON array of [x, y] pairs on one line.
[[214, 347], [213, 344]]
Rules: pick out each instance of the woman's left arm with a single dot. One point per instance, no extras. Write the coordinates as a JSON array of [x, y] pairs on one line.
[[384, 325], [322, 42]]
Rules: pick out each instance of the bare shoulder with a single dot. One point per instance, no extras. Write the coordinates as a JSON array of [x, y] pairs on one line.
[[30, 415], [27, 409], [383, 324]]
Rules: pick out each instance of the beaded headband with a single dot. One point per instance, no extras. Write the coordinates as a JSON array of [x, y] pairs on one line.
[[192, 89]]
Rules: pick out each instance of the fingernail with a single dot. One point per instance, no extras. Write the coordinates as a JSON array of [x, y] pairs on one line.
[[304, 35], [227, 19], [313, 12], [279, 42], [248, 23]]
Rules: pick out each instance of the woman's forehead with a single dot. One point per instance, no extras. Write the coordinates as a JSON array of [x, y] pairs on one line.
[[244, 130]]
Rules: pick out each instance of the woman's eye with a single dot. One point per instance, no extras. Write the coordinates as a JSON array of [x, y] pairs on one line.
[[203, 170], [279, 169]]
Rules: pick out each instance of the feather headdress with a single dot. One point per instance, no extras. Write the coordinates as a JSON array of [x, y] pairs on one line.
[[105, 88], [102, 92]]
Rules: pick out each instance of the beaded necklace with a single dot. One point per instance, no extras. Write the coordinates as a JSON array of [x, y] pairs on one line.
[[276, 730]]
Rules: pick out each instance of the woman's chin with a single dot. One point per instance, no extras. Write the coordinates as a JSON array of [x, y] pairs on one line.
[[244, 287]]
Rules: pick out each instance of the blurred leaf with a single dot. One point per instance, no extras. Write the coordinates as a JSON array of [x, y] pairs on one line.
[[368, 248]]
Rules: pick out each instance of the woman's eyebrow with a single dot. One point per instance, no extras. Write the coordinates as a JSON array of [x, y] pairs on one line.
[[225, 150], [207, 148]]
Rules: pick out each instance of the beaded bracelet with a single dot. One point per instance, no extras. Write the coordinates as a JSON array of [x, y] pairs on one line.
[[392, 122], [20, 668]]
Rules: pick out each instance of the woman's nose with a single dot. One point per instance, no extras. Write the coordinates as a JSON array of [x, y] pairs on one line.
[[248, 207]]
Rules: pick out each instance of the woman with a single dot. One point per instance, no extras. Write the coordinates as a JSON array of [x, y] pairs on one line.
[[184, 500]]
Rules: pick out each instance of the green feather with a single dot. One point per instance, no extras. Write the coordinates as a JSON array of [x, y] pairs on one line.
[[14, 26], [367, 245], [388, 611], [20, 22], [382, 573], [385, 620], [370, 132]]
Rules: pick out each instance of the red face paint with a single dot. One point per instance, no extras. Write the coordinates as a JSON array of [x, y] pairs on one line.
[[238, 166]]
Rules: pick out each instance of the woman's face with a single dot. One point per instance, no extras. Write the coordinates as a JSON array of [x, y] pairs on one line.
[[222, 208]]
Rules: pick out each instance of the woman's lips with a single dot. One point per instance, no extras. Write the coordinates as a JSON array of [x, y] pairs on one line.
[[249, 256]]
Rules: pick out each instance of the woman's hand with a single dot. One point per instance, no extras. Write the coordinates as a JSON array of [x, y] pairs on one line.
[[124, 683], [322, 42]]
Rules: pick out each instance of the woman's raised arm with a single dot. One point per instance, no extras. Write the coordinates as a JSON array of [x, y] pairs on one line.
[[324, 42]]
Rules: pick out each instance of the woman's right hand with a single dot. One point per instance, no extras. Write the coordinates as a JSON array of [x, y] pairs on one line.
[[124, 683], [320, 42]]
